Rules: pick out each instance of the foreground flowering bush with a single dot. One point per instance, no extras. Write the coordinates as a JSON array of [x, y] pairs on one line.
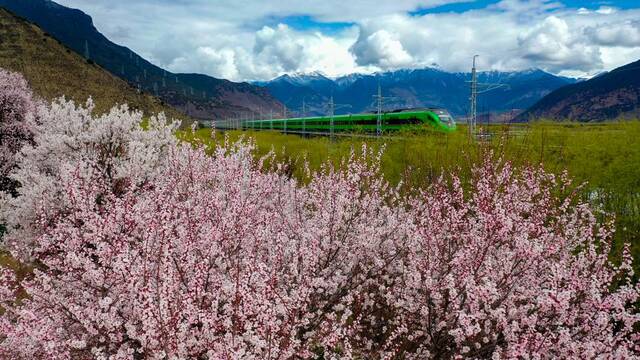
[[216, 257], [114, 148], [512, 271], [17, 106]]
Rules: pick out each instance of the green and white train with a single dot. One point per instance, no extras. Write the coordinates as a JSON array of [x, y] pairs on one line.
[[436, 119]]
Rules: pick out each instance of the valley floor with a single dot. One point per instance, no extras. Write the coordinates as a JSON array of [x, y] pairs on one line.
[[604, 158]]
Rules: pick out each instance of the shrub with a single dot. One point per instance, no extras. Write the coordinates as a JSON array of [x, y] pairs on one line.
[[113, 147], [217, 259], [208, 257], [16, 122], [512, 270]]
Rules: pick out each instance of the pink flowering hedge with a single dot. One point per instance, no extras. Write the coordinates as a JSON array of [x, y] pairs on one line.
[[174, 254]]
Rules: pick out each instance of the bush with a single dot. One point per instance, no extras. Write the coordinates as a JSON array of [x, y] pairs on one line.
[[16, 122], [114, 148], [141, 247], [217, 257]]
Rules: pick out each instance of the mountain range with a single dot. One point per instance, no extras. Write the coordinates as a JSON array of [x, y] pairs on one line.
[[54, 70], [611, 95], [199, 96], [428, 87], [72, 37]]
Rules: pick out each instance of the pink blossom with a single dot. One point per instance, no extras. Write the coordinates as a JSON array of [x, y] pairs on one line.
[[174, 254], [16, 121]]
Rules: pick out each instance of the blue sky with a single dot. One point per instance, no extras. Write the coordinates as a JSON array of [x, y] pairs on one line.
[[258, 39]]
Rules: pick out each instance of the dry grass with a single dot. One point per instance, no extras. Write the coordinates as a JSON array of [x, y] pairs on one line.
[[53, 70]]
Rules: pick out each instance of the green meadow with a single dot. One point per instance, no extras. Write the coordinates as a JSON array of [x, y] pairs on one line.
[[603, 158]]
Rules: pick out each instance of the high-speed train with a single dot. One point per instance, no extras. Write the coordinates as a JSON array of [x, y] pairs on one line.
[[436, 119]]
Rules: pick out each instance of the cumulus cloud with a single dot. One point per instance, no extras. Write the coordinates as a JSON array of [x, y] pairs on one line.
[[553, 45], [626, 34], [511, 35], [381, 49], [280, 46], [250, 40]]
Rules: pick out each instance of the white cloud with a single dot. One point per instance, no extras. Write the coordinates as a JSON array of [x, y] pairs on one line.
[[553, 44], [280, 46], [606, 10], [382, 49], [626, 34], [240, 40]]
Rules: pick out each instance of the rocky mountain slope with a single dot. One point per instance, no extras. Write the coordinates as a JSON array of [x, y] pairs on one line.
[[611, 95], [54, 70]]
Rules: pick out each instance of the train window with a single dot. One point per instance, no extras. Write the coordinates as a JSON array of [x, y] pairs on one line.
[[396, 121], [447, 119]]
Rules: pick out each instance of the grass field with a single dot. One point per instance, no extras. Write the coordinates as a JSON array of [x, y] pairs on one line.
[[605, 157]]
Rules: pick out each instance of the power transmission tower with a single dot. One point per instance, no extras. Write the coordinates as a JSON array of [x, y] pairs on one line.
[[284, 118], [86, 50], [332, 108], [331, 111], [304, 115], [379, 100], [475, 85], [474, 99]]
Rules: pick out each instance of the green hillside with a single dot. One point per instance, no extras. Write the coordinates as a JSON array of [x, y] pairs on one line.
[[54, 70]]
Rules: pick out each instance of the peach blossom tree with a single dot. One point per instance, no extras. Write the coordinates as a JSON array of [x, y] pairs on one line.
[[144, 248], [17, 105]]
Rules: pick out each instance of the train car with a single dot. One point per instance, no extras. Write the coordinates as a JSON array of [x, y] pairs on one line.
[[436, 119]]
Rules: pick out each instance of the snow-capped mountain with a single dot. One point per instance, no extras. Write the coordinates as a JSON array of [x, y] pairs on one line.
[[414, 88]]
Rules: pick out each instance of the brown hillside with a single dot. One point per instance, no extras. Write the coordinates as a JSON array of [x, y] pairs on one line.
[[54, 70]]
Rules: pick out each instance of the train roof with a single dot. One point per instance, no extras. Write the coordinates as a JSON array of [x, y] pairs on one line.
[[419, 109]]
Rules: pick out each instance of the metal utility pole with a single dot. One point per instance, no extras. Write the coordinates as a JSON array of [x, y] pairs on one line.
[[474, 99], [271, 119], [332, 111], [475, 86], [379, 99], [284, 117], [86, 50], [379, 109], [331, 106], [304, 115]]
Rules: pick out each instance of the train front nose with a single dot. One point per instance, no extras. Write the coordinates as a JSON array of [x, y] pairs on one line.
[[447, 119]]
